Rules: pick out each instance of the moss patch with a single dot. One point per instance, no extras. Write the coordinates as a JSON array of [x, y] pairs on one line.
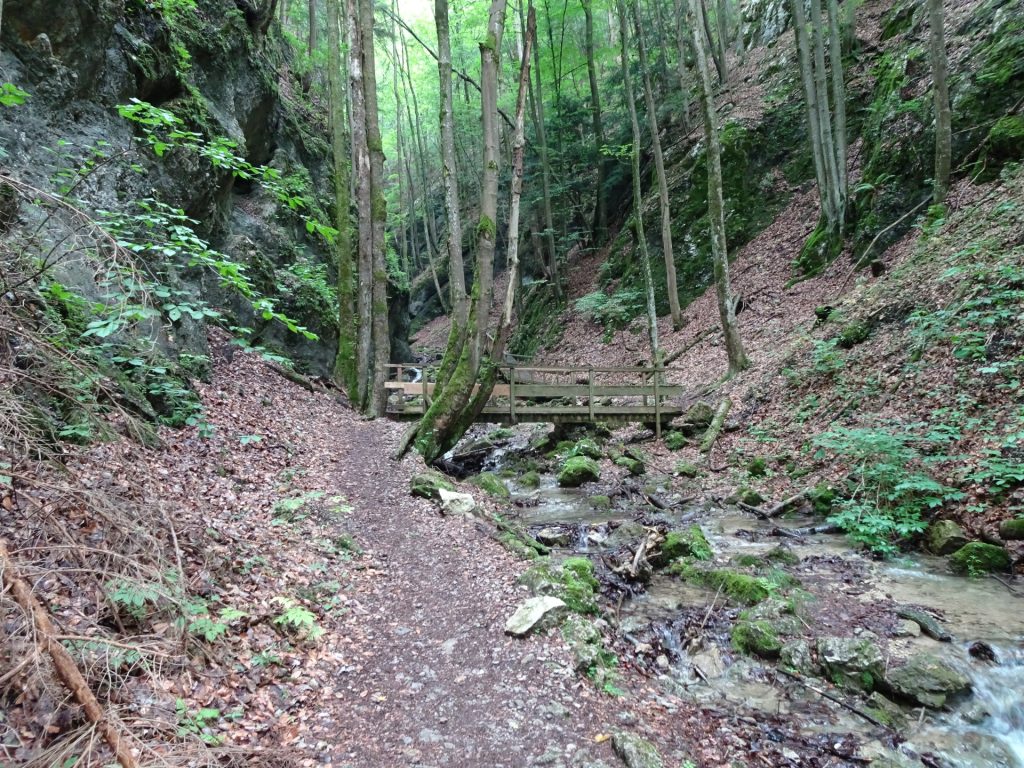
[[490, 484], [572, 581], [978, 557], [577, 470], [757, 637]]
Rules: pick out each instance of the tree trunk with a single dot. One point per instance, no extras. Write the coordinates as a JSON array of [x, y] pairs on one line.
[[659, 166], [722, 23], [838, 107], [638, 218], [715, 51], [345, 362], [716, 206], [449, 416], [943, 117], [807, 80], [545, 166], [307, 80], [380, 336], [684, 77], [364, 216], [828, 142], [600, 225]]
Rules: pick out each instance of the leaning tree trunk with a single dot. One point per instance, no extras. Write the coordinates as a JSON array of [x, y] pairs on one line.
[[445, 420], [545, 166], [684, 78], [659, 167], [943, 117], [638, 216], [716, 206], [345, 362]]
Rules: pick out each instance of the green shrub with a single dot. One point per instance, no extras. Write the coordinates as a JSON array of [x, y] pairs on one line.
[[889, 488]]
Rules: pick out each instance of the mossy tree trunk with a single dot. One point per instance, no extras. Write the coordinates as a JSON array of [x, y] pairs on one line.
[[364, 205], [715, 51], [538, 119], [450, 183], [940, 91], [380, 336], [638, 218], [683, 71], [345, 362], [716, 206], [659, 166], [449, 415]]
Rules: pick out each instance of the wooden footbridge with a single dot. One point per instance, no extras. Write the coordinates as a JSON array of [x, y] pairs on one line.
[[556, 394]]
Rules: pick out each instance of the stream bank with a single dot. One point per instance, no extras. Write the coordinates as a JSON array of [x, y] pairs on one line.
[[898, 661]]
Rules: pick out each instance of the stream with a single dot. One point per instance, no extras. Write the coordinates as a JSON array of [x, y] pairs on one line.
[[851, 594]]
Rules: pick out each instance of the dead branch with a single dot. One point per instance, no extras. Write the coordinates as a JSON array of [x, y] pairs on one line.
[[775, 510], [67, 671], [716, 425], [689, 345], [832, 697]]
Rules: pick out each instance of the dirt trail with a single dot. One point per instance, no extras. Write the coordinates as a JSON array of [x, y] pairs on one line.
[[443, 684]]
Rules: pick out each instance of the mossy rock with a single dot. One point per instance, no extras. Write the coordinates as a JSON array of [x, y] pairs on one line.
[[584, 640], [740, 587], [852, 335], [586, 447], [577, 470], [750, 496], [689, 543], [978, 557], [635, 467], [850, 662], [428, 485], [781, 556], [926, 680], [571, 580], [687, 469], [1006, 138], [490, 484], [757, 637], [530, 480], [600, 501], [1012, 530], [675, 440], [944, 537], [822, 497], [697, 418]]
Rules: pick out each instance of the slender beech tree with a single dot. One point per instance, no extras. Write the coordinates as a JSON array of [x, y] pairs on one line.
[[361, 166], [345, 362], [684, 76], [826, 123], [600, 224], [449, 414], [940, 91], [312, 43], [537, 115], [716, 205], [659, 168], [450, 185], [380, 332], [638, 215]]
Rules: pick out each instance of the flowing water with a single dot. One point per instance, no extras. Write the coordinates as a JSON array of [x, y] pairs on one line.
[[986, 731]]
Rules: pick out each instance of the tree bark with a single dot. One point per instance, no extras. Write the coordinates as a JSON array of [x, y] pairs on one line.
[[659, 167], [684, 78], [940, 89], [638, 217], [307, 80], [828, 142], [364, 216], [716, 206], [600, 224], [380, 336], [545, 165], [715, 51], [838, 107], [345, 373]]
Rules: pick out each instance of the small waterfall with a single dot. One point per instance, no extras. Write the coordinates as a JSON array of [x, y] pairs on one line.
[[999, 688]]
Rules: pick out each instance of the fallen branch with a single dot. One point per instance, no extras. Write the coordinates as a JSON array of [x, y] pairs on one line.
[[297, 378], [775, 510], [832, 697], [716, 425], [799, 533], [67, 671], [690, 345]]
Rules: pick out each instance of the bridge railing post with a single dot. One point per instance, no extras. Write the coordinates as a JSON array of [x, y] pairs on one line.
[[512, 394], [657, 405], [590, 393]]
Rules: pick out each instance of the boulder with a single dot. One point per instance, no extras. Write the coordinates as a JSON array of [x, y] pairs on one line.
[[490, 484], [635, 467], [635, 751], [577, 470], [978, 557], [427, 485], [1012, 530], [850, 661], [584, 640], [455, 503], [756, 636], [587, 447], [926, 623], [688, 543], [927, 680], [535, 614], [553, 536], [796, 655], [945, 537], [697, 418]]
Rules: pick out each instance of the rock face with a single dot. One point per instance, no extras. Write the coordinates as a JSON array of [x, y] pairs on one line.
[[851, 662], [979, 557], [635, 751], [535, 614], [945, 537], [927, 680], [578, 470]]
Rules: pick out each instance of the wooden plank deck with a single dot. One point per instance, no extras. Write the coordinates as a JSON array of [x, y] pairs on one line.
[[527, 392]]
